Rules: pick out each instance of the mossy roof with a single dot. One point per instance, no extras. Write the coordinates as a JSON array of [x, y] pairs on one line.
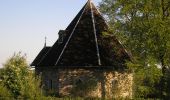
[[84, 44]]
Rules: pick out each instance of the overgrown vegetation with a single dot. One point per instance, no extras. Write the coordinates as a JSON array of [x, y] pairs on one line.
[[143, 27], [18, 80], [5, 94]]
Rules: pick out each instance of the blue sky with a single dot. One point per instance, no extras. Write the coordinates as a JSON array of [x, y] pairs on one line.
[[25, 23]]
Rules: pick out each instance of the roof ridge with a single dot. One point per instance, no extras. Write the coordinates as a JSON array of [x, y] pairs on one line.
[[95, 35], [71, 34], [44, 51], [101, 15]]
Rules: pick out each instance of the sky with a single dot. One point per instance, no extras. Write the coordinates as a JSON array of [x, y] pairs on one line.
[[25, 23]]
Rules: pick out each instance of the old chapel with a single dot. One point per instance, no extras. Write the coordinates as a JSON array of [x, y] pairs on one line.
[[87, 60]]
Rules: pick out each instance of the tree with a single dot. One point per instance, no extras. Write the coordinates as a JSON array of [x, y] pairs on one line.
[[143, 23], [143, 27], [15, 70], [19, 79]]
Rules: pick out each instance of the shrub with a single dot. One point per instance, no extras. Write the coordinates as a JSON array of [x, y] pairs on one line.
[[5, 94]]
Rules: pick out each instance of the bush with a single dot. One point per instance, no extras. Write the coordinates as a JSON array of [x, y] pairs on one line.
[[20, 79], [5, 94]]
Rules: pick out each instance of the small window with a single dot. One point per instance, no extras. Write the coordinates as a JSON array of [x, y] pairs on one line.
[[114, 83], [61, 36]]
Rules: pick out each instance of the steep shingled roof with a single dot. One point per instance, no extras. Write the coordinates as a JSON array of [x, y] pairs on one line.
[[42, 53], [84, 43]]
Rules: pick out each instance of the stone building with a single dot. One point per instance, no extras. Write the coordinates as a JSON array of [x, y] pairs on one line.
[[86, 60]]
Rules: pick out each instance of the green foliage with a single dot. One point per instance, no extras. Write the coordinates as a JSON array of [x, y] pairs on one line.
[[147, 79], [15, 70], [20, 79], [146, 83], [166, 85], [143, 27], [31, 87], [5, 94], [1, 71]]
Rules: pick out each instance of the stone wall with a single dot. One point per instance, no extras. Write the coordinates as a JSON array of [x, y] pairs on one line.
[[50, 79], [89, 83], [78, 83], [118, 84]]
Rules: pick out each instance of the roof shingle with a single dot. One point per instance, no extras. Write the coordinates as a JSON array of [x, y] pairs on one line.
[[79, 44]]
